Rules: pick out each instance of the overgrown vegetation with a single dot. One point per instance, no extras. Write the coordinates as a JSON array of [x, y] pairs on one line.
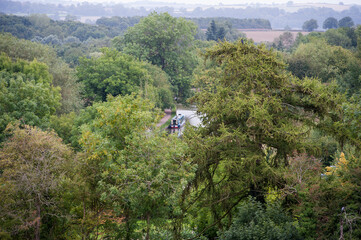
[[277, 155]]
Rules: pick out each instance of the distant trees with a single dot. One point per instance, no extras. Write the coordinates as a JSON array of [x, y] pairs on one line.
[[330, 22], [215, 33], [219, 31], [284, 42], [310, 25], [328, 63], [346, 22]]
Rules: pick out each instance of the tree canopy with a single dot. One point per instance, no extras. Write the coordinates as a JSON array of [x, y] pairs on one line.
[[254, 114], [26, 93], [310, 25], [62, 75], [164, 41], [115, 73], [329, 23], [346, 22], [33, 167]]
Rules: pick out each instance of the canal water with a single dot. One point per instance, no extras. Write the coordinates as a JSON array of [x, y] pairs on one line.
[[190, 113]]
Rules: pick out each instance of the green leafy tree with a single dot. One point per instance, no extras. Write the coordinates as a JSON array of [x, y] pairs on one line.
[[102, 140], [251, 107], [26, 93], [116, 73], [138, 174], [338, 37], [346, 22], [329, 23], [310, 25], [33, 166], [153, 177], [62, 75], [256, 222], [112, 73], [164, 41], [329, 63]]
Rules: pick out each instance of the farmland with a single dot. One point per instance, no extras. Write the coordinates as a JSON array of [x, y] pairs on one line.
[[267, 35]]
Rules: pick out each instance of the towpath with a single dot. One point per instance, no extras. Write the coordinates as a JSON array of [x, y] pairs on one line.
[[167, 116]]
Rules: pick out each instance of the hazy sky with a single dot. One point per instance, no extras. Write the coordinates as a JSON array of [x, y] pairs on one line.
[[207, 2]]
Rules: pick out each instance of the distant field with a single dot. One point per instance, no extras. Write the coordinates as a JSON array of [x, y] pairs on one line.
[[266, 36]]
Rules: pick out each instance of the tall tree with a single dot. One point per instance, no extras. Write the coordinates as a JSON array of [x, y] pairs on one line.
[[212, 31], [251, 107], [138, 173], [165, 41], [33, 165]]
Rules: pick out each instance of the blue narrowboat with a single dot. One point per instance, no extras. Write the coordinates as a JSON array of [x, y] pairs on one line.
[[177, 121]]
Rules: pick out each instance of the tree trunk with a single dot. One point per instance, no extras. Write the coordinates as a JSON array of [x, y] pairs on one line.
[[38, 221], [177, 227], [82, 222], [127, 225], [148, 226]]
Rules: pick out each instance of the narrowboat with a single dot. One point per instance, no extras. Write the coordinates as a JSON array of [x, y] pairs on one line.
[[177, 121]]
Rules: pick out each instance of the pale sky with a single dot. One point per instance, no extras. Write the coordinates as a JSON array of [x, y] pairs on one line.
[[216, 2]]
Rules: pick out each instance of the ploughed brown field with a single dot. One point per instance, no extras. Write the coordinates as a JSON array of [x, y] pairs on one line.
[[267, 35]]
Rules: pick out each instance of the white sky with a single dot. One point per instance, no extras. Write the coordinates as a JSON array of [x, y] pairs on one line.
[[216, 2]]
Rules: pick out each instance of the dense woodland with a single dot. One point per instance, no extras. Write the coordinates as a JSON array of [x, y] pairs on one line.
[[278, 154]]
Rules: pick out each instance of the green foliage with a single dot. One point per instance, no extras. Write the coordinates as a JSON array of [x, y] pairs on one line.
[[254, 221], [221, 31], [114, 73], [62, 75], [249, 103], [318, 202], [310, 25], [329, 23], [33, 167], [40, 25], [164, 41], [134, 176], [63, 126], [26, 93], [329, 63]]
